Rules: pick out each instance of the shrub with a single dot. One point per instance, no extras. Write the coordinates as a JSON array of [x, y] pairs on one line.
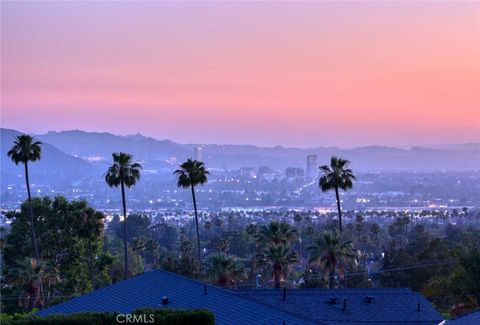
[[160, 316]]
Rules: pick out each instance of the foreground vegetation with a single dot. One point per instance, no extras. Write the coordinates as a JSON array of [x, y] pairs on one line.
[[143, 316]]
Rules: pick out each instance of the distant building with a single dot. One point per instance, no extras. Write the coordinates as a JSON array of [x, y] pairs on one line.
[[294, 172], [267, 173], [248, 172], [312, 166], [197, 153], [264, 170]]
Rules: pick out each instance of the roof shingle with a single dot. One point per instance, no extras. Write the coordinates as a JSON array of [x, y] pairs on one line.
[[148, 289]]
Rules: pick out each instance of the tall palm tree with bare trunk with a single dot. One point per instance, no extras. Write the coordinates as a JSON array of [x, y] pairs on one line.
[[124, 172], [24, 150], [190, 174], [337, 176]]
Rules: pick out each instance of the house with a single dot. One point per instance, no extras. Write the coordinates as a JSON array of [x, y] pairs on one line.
[[349, 306], [161, 289], [468, 319], [151, 288]]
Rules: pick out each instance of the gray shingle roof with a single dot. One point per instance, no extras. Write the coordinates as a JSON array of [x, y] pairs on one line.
[[148, 289], [390, 305]]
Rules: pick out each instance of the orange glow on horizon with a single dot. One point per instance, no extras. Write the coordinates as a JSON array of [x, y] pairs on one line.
[[299, 74]]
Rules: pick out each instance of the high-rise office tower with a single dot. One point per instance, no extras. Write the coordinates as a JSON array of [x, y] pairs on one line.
[[312, 166], [197, 153]]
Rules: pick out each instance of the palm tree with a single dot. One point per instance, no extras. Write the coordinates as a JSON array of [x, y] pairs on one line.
[[190, 174], [224, 269], [252, 232], [276, 233], [223, 245], [123, 172], [91, 230], [278, 258], [28, 276], [138, 245], [153, 248], [25, 149], [331, 252], [337, 176]]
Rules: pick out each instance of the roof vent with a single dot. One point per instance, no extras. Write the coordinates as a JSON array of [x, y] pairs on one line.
[[333, 301], [369, 299], [164, 300]]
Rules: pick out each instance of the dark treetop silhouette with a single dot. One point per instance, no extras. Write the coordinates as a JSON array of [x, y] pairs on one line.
[[25, 149], [123, 172], [337, 176], [190, 174]]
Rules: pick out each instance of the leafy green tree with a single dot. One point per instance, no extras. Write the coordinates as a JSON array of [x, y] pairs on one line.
[[375, 230], [24, 150], [278, 258], [190, 174], [123, 172], [337, 176], [152, 248], [330, 251], [62, 243], [91, 230], [138, 246], [252, 231], [187, 264], [223, 245], [138, 225]]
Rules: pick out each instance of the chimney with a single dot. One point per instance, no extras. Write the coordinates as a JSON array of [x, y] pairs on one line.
[[164, 300], [333, 301], [369, 299]]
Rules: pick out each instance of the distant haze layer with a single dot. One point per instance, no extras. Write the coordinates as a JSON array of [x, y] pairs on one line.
[[296, 74]]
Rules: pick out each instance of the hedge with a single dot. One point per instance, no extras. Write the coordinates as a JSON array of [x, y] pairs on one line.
[[159, 316]]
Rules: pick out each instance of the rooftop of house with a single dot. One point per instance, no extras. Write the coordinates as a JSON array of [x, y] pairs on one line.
[[148, 290], [349, 306], [468, 319], [301, 306]]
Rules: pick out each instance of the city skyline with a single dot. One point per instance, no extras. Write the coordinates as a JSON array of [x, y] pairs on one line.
[[296, 75]]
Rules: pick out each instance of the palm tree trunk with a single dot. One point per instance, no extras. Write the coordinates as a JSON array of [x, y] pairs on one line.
[[276, 279], [332, 276], [30, 212], [125, 247], [339, 209], [196, 225], [90, 265], [138, 262], [34, 232], [301, 249]]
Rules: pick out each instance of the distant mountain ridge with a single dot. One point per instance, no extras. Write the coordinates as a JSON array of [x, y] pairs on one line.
[[54, 163], [77, 143]]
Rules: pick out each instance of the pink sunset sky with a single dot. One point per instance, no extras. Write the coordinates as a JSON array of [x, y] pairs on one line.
[[295, 74]]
